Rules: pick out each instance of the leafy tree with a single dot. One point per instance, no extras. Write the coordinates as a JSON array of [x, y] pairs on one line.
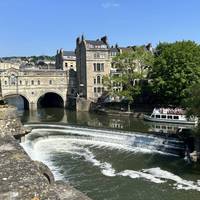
[[192, 102], [175, 69], [131, 65]]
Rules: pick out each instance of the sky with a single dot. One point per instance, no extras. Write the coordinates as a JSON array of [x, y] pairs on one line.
[[40, 27]]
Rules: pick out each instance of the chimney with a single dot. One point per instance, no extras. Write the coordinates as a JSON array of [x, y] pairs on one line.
[[105, 39], [78, 40]]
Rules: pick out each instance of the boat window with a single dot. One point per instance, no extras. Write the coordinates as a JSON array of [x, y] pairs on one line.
[[153, 116], [169, 116], [157, 126], [163, 127], [176, 117], [157, 116], [163, 116]]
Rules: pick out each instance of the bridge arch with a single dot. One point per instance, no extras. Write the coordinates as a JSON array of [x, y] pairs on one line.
[[18, 100], [50, 99]]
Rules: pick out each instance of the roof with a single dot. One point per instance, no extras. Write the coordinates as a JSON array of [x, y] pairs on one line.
[[95, 42], [114, 49], [69, 53]]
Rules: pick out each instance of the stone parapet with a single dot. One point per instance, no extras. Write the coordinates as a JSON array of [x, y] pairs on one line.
[[22, 178]]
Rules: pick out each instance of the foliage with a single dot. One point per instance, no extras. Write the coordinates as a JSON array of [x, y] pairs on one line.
[[192, 102], [176, 68], [130, 65]]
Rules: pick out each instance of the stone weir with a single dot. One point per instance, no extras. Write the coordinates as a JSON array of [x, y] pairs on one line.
[[20, 177]]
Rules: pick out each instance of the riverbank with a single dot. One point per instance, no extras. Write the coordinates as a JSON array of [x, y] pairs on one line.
[[22, 178]]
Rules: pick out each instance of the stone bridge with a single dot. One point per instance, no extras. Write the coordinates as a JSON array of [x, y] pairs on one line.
[[37, 87]]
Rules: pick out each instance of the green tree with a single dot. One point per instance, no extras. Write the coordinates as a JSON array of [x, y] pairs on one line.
[[176, 67], [132, 65], [192, 102]]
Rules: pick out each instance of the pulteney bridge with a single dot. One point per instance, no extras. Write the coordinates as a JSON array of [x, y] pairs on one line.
[[38, 88]]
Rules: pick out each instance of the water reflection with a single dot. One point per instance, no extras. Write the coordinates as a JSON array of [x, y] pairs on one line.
[[97, 120], [83, 119], [167, 127]]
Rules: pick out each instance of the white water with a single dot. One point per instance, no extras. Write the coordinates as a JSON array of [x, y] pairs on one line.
[[41, 149]]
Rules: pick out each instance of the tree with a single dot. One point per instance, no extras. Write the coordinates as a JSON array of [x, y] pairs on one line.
[[192, 102], [176, 68], [131, 66]]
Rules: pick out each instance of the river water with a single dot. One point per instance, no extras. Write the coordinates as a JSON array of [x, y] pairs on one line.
[[111, 158]]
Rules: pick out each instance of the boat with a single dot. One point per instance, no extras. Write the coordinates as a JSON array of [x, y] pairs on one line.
[[169, 115]]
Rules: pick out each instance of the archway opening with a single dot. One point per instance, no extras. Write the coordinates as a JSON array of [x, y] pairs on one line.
[[50, 100], [18, 101]]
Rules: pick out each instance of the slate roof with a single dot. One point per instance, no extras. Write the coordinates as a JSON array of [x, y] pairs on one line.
[[69, 53], [95, 42]]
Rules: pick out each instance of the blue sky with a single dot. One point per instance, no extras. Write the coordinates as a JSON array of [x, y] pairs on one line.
[[38, 27]]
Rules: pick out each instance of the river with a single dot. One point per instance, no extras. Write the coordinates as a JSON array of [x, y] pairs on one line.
[[111, 158]]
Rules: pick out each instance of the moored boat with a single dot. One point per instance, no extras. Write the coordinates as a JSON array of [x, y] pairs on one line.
[[169, 115]]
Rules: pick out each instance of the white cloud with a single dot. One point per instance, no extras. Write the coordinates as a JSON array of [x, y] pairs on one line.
[[110, 5]]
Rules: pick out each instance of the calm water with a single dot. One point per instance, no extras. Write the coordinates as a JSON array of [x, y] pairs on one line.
[[111, 158]]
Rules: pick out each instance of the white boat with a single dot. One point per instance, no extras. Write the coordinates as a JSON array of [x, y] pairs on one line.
[[169, 115]]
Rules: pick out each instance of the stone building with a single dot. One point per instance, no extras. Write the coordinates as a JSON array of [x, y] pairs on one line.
[[93, 62], [65, 60], [36, 86]]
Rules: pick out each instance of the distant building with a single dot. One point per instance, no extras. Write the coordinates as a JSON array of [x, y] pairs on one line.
[[93, 62], [65, 60]]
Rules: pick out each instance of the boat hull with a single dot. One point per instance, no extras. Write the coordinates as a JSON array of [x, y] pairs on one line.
[[149, 118]]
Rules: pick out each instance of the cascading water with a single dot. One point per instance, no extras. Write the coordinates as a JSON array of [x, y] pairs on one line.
[[125, 162]]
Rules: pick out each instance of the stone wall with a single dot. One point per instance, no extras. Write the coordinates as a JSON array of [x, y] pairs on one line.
[[22, 178]]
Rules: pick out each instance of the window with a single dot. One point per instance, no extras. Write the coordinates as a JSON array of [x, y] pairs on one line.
[[176, 117], [98, 79], [95, 67], [169, 117], [157, 116], [95, 90], [20, 82], [102, 67], [5, 82], [66, 64], [94, 80], [102, 81], [32, 82], [38, 82], [71, 66], [98, 67], [102, 89], [163, 116], [50, 82], [98, 89]]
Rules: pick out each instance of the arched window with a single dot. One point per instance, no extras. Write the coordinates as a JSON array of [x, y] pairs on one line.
[[98, 79], [20, 82], [5, 82]]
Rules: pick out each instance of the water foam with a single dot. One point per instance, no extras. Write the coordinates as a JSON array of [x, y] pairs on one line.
[[124, 140], [41, 149]]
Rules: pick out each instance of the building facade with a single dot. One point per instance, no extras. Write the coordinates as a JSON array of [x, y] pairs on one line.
[[93, 62], [34, 84], [65, 60]]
